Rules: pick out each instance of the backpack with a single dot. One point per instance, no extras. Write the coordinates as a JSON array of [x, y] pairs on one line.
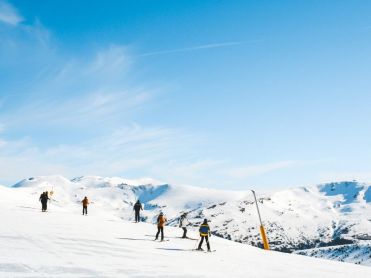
[[204, 230], [161, 221]]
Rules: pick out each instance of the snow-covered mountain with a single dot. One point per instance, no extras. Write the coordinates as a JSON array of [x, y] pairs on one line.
[[328, 221]]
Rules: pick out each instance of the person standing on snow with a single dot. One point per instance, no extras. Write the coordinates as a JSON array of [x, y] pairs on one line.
[[41, 201], [161, 220], [137, 208], [204, 234], [85, 203], [183, 222], [44, 201]]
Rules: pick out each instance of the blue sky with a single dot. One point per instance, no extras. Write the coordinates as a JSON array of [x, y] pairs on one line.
[[224, 94]]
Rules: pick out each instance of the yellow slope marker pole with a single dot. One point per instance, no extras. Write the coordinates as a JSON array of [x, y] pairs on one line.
[[262, 230]]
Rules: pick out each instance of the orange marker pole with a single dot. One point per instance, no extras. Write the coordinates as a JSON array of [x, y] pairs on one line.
[[262, 230]]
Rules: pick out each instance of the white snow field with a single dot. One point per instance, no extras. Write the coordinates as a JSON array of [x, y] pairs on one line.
[[64, 243]]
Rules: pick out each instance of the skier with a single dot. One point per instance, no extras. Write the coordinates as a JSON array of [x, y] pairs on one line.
[[183, 222], [161, 220], [137, 207], [40, 199], [85, 203], [44, 201], [204, 234]]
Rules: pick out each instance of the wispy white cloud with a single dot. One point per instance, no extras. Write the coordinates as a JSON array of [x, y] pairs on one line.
[[8, 14], [2, 127], [257, 170], [2, 143], [76, 94], [87, 92], [193, 48], [113, 60], [191, 170], [333, 176], [82, 94], [93, 109], [134, 149]]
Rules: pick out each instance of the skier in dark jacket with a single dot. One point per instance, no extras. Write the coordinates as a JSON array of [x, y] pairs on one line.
[[41, 200], [137, 208], [44, 201], [183, 222], [204, 234]]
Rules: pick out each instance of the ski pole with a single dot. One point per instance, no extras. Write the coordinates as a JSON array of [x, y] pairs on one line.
[[197, 242]]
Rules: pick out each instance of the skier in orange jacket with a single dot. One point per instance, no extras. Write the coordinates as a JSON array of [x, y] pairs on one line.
[[161, 220], [85, 204]]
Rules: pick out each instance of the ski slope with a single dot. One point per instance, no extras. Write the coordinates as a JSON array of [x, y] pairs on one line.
[[63, 243]]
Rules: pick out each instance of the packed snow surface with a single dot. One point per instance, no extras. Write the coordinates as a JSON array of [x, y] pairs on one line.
[[64, 243], [331, 221]]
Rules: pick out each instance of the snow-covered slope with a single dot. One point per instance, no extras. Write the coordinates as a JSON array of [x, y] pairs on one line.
[[119, 195], [333, 214], [63, 243], [359, 253]]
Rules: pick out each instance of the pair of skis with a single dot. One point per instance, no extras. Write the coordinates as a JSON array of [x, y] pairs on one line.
[[204, 251]]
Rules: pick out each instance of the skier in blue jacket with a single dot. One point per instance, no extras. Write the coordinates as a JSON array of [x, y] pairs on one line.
[[204, 234]]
